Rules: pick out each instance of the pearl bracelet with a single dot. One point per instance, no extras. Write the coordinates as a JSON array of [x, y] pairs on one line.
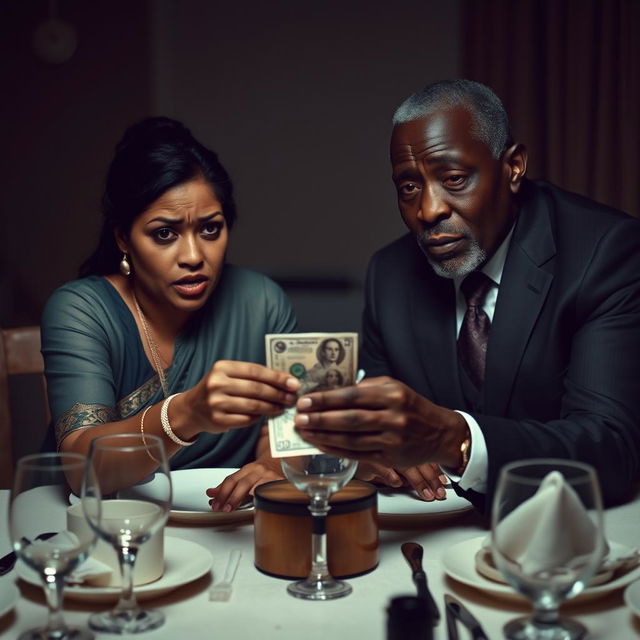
[[164, 419]]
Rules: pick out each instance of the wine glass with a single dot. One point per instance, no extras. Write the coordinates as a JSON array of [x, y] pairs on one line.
[[319, 476], [129, 518], [547, 540], [39, 500]]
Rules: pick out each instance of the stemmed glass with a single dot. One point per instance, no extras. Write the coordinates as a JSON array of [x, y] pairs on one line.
[[319, 476], [127, 523], [547, 546], [40, 495]]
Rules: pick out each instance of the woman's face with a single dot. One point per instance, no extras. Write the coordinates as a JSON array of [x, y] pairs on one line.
[[332, 379], [331, 351], [177, 247]]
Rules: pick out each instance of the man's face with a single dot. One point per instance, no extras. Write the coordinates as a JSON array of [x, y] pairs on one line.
[[452, 193]]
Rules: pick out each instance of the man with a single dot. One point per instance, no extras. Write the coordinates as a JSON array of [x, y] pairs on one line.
[[561, 306]]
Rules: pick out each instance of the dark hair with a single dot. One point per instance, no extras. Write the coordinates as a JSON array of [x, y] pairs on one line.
[[153, 156], [491, 120], [323, 344]]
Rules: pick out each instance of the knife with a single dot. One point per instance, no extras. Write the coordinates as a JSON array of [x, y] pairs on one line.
[[457, 611], [7, 562], [412, 551]]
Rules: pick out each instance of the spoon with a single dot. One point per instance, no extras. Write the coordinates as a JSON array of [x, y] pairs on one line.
[[412, 551]]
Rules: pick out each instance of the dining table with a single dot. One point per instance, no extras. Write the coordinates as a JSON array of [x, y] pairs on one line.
[[261, 608]]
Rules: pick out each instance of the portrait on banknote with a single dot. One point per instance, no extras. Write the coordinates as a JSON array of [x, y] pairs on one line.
[[321, 361]]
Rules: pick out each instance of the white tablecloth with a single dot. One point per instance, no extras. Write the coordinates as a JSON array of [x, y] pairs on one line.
[[261, 609]]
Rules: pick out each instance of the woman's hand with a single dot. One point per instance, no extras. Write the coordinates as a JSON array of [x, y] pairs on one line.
[[234, 394], [426, 479], [235, 489]]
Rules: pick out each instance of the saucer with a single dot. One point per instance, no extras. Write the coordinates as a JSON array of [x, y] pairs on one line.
[[185, 561], [403, 507], [459, 563], [9, 595]]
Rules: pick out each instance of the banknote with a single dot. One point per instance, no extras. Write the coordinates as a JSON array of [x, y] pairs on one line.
[[321, 361]]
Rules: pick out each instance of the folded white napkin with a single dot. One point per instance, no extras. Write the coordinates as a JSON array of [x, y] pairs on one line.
[[552, 529], [91, 571]]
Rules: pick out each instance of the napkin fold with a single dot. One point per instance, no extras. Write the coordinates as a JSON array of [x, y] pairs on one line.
[[549, 530], [91, 571]]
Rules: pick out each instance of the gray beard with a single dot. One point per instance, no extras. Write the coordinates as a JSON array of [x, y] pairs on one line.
[[458, 266]]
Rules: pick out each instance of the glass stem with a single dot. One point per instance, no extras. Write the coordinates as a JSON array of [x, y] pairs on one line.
[[53, 591], [545, 618], [127, 557], [319, 508]]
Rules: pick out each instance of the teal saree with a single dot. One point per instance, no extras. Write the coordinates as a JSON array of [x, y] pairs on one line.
[[97, 371]]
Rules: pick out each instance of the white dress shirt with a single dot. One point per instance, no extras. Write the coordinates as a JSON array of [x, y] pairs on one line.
[[475, 473]]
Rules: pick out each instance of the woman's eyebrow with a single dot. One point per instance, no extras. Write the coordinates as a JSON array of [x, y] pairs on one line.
[[167, 220]]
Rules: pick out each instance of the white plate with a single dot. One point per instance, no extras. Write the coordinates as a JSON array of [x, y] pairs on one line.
[[402, 506], [9, 595], [632, 597], [184, 562], [459, 563], [190, 502]]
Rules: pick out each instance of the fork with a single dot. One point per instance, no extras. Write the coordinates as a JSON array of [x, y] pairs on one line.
[[221, 590]]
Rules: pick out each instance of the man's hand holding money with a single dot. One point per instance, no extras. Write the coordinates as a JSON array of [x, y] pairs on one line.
[[383, 421]]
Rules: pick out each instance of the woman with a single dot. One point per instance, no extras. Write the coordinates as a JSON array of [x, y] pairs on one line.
[[330, 354], [160, 335]]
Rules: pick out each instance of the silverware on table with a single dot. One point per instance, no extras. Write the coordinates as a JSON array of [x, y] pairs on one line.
[[221, 589], [455, 611], [412, 551], [8, 561]]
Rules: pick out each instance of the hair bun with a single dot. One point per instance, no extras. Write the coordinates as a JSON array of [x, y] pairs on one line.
[[154, 130]]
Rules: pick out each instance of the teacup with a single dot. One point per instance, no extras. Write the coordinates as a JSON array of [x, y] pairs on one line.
[[149, 564]]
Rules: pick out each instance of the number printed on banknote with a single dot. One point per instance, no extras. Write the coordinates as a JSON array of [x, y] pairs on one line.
[[321, 361]]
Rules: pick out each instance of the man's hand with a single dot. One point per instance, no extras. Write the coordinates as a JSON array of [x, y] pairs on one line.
[[383, 421], [427, 479]]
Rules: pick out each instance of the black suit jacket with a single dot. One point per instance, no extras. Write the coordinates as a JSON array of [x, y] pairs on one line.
[[563, 360]]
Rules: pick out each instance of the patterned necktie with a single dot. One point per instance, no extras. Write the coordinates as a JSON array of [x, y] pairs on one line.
[[474, 331]]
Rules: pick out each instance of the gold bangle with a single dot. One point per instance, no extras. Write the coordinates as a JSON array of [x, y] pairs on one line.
[[144, 442]]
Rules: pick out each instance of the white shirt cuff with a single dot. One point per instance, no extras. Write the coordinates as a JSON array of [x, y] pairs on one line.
[[475, 474]]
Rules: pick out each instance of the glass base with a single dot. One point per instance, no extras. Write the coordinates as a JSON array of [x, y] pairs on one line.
[[70, 633], [135, 621], [325, 589], [561, 629]]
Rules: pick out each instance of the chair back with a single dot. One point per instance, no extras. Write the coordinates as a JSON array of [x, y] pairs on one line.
[[19, 354]]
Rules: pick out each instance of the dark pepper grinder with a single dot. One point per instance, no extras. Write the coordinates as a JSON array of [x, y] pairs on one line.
[[408, 619]]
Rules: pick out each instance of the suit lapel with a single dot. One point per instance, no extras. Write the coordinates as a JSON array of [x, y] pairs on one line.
[[523, 290], [433, 324]]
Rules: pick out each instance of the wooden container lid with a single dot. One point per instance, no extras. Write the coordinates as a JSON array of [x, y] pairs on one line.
[[282, 529]]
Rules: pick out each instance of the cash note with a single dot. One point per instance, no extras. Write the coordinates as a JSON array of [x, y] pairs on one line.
[[321, 361]]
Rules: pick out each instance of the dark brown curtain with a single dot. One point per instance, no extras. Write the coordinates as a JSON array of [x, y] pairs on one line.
[[568, 72]]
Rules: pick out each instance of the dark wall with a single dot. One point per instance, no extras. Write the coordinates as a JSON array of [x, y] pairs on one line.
[[60, 123], [295, 96]]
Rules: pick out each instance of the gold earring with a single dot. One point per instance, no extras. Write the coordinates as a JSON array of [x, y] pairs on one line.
[[125, 267]]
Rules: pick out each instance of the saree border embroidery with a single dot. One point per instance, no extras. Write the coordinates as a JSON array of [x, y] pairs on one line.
[[81, 416], [131, 404]]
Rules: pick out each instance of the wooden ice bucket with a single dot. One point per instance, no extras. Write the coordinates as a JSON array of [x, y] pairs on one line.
[[282, 524]]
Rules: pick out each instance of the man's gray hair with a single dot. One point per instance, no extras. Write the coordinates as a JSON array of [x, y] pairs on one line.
[[491, 123]]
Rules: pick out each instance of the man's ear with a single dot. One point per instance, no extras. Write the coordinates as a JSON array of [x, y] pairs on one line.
[[515, 162]]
